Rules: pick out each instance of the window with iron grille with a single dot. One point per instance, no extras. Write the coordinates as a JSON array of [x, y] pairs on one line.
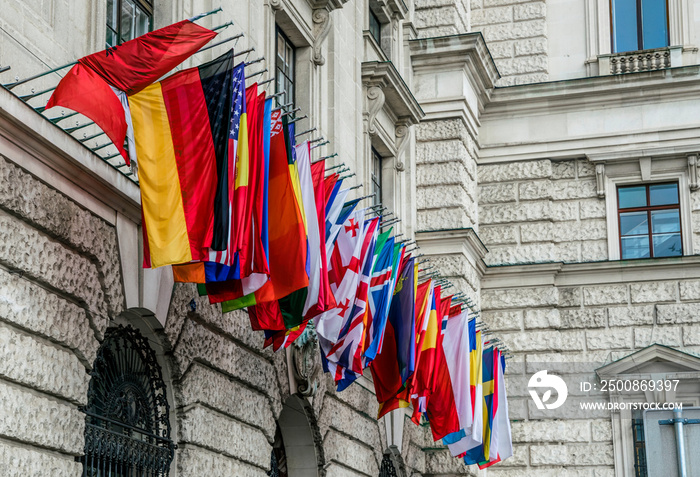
[[640, 457], [127, 430], [376, 177], [639, 24], [285, 69], [649, 219], [128, 19]]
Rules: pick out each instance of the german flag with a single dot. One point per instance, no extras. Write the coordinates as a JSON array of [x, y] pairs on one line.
[[181, 127]]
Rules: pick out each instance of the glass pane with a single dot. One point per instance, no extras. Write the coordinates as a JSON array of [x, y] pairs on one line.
[[663, 194], [375, 27], [142, 24], [667, 245], [634, 223], [665, 221], [112, 38], [625, 25], [635, 247], [112, 6], [127, 17], [629, 197], [654, 25]]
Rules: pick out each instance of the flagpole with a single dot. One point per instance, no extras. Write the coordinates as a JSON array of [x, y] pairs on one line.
[[205, 14]]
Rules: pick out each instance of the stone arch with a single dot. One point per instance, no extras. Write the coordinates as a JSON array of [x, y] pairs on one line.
[[301, 439]]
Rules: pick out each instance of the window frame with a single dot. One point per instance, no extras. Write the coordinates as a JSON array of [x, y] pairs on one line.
[[376, 164], [648, 209], [378, 36], [632, 178], [281, 75], [640, 28], [145, 5]]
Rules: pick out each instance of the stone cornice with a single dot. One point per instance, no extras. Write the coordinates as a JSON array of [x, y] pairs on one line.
[[574, 94], [592, 273], [45, 150], [446, 52], [387, 10], [329, 5], [450, 241], [655, 352], [399, 97], [453, 77]]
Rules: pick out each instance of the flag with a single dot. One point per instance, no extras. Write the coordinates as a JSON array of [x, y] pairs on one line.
[[181, 129], [465, 439], [308, 200], [283, 338], [480, 454], [346, 353], [422, 384], [449, 408], [380, 293], [344, 274], [285, 231], [97, 86], [392, 367], [501, 439], [326, 300]]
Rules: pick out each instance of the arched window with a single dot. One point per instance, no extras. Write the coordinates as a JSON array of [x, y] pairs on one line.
[[127, 431]]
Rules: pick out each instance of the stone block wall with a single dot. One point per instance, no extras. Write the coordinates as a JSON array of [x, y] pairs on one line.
[[60, 285], [571, 331], [541, 211], [441, 17], [445, 176], [516, 34]]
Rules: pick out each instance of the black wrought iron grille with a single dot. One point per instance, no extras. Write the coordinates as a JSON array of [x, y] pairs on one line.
[[387, 469], [127, 431]]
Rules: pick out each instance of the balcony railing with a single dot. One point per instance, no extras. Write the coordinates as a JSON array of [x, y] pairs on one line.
[[636, 61]]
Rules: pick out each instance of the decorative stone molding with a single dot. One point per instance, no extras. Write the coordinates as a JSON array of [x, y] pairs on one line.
[[375, 101], [386, 89], [322, 26], [305, 361], [276, 5], [693, 172], [600, 180], [403, 134]]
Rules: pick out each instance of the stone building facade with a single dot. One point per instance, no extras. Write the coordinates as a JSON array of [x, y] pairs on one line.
[[497, 130]]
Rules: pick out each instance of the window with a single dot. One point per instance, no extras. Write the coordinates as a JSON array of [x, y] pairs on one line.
[[650, 223], [127, 19], [639, 25], [375, 28], [376, 177], [127, 431], [640, 456], [284, 69]]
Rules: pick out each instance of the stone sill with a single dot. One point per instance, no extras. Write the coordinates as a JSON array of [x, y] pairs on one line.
[[590, 273]]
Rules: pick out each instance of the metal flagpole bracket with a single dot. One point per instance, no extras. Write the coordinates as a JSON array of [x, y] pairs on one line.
[[303, 132], [257, 60], [273, 95], [267, 81], [221, 27], [61, 118], [256, 73], [291, 112], [329, 156], [321, 144], [299, 119], [240, 52], [311, 141], [213, 45], [4, 68], [53, 70], [205, 14], [75, 128], [283, 106], [85, 139], [27, 97]]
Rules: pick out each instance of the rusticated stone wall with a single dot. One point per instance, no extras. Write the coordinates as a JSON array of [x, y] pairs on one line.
[[229, 394], [516, 34], [60, 285], [572, 331], [541, 211], [441, 17]]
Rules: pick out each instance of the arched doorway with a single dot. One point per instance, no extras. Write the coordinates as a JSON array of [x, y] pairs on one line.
[[297, 450], [127, 429]]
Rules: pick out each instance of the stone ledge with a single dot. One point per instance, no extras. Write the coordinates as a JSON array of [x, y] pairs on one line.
[[193, 460]]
